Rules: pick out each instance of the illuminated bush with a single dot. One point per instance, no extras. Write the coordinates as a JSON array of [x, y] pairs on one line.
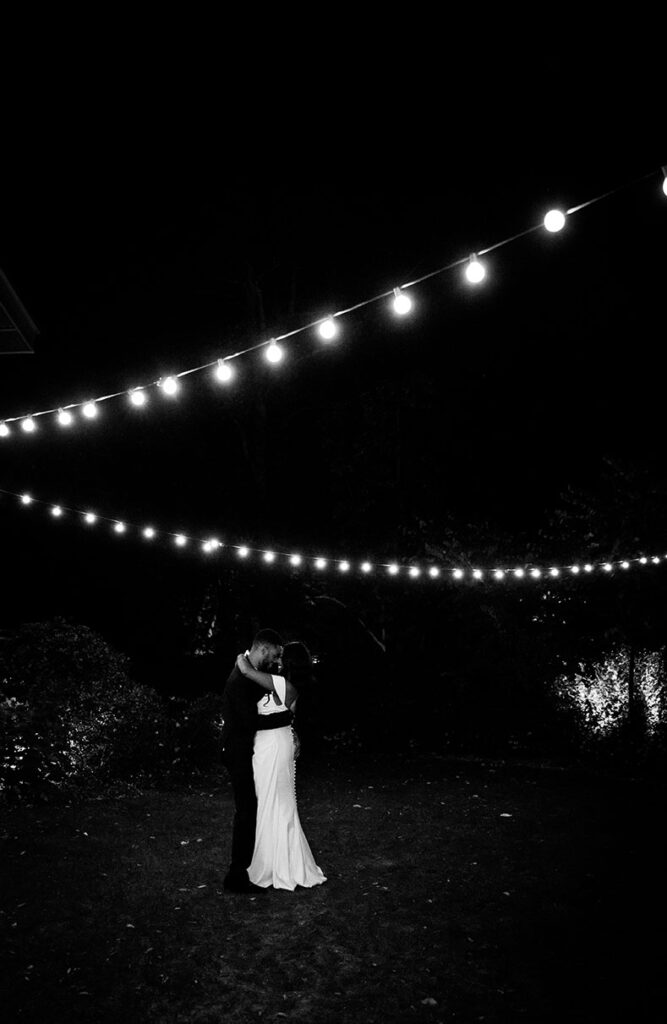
[[651, 690], [596, 696]]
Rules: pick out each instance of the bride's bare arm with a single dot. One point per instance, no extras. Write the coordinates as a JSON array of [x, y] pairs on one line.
[[265, 680]]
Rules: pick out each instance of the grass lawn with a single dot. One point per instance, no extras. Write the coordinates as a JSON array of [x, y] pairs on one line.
[[458, 890]]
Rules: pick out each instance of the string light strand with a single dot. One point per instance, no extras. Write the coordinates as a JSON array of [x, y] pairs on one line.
[[272, 556], [327, 326]]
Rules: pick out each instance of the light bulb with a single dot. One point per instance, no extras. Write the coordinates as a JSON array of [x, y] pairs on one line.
[[28, 424], [90, 518], [588, 567], [89, 410], [414, 571], [535, 573], [458, 574], [180, 540], [328, 329], [295, 559], [643, 560], [269, 556], [344, 567], [393, 569], [119, 527], [56, 511], [4, 430], [607, 567], [478, 574], [243, 552], [274, 353], [402, 302], [656, 561], [519, 573], [475, 271], [223, 371], [148, 532], [554, 572], [575, 569], [625, 565], [64, 418], [26, 499], [138, 396], [499, 574], [170, 386], [554, 220], [320, 563], [366, 566], [434, 572], [664, 184]]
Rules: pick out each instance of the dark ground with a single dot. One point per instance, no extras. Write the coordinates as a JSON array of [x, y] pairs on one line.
[[458, 890]]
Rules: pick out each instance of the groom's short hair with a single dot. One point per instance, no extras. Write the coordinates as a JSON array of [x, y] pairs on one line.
[[267, 638]]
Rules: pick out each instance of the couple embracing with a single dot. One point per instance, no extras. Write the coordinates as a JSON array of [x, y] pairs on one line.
[[269, 848]]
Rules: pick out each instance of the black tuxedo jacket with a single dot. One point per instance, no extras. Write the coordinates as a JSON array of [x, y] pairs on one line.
[[239, 711]]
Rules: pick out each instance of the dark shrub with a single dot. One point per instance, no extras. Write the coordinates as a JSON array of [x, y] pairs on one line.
[[70, 714], [193, 735]]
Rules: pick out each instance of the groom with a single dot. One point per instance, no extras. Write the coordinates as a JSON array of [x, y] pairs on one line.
[[239, 709]]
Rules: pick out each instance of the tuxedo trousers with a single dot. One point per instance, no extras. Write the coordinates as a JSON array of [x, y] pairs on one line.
[[238, 762]]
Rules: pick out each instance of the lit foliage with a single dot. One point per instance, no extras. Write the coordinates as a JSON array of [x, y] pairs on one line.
[[651, 689], [597, 694]]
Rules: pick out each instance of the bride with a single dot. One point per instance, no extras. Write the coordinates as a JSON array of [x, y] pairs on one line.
[[282, 857]]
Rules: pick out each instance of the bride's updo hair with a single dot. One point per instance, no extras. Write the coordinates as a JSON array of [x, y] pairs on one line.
[[298, 664]]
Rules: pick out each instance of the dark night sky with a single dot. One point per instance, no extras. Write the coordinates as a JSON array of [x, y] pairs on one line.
[[132, 259]]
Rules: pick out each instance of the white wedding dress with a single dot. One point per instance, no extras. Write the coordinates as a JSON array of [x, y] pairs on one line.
[[282, 857]]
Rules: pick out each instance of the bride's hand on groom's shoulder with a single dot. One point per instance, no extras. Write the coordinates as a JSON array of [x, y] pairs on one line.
[[241, 663]]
